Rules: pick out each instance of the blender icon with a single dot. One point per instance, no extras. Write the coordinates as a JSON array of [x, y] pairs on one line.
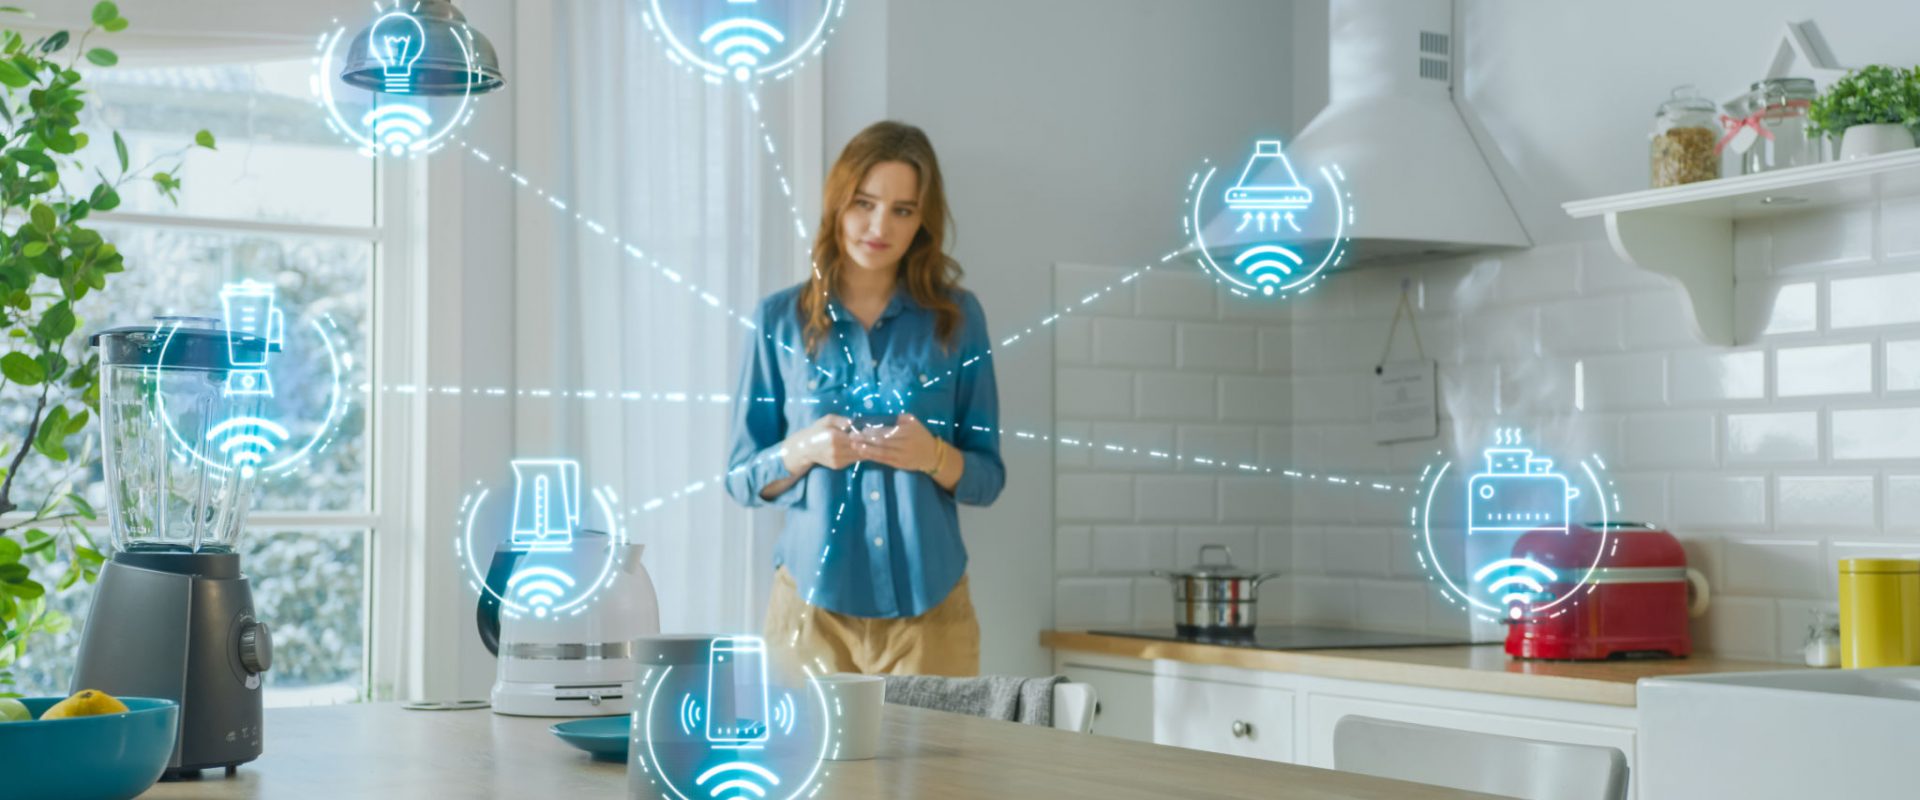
[[251, 317]]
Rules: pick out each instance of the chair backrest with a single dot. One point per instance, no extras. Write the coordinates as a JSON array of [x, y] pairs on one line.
[[1479, 762], [1073, 705]]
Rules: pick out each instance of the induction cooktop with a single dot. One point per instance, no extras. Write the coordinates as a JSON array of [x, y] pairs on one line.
[[1302, 637]]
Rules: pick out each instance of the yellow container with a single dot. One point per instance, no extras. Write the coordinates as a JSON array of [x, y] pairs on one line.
[[1879, 612]]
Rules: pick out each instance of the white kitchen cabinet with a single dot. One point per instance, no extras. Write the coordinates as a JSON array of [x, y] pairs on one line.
[[1123, 697], [1230, 718]]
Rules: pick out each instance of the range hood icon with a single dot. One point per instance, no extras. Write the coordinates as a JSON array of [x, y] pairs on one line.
[[1268, 183]]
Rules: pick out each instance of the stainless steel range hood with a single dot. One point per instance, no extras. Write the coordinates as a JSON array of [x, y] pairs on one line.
[[1421, 182]]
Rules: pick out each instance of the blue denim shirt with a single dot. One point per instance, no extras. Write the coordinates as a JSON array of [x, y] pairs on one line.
[[868, 540]]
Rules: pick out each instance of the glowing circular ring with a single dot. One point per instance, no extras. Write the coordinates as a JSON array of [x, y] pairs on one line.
[[323, 86], [324, 433], [463, 547], [819, 694], [829, 10], [1433, 558], [1334, 251]]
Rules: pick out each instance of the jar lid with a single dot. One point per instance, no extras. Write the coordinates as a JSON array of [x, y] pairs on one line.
[[1685, 98], [1791, 86], [1879, 565]]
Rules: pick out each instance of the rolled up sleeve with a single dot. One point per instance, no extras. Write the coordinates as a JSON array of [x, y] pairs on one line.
[[759, 426], [976, 431]]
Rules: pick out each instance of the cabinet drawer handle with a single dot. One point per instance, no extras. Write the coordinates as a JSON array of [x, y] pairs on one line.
[[1242, 729]]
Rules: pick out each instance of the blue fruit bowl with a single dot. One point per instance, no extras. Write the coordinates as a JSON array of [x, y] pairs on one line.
[[106, 757]]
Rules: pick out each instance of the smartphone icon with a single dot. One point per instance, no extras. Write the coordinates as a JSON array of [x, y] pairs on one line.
[[737, 692]]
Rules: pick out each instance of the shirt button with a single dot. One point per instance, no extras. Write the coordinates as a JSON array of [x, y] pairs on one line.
[[875, 497], [923, 378], [813, 384], [879, 542]]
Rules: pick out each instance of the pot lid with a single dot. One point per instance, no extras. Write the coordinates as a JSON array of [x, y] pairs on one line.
[[1219, 568]]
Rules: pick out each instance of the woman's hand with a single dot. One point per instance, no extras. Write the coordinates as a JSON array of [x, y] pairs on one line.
[[826, 442], [910, 446]]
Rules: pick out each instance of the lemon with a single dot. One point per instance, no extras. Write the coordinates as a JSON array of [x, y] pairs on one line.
[[12, 710], [87, 703]]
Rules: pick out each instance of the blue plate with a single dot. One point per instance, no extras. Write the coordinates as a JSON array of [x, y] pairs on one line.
[[105, 757], [604, 737]]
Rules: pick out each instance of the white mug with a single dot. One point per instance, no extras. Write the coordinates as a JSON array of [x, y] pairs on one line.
[[853, 708]]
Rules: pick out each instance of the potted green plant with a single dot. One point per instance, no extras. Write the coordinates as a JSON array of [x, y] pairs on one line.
[[49, 261], [1873, 110]]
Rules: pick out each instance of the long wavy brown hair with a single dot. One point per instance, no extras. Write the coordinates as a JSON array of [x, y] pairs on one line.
[[928, 273]]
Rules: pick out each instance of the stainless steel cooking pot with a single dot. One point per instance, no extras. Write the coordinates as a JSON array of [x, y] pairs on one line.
[[1215, 599]]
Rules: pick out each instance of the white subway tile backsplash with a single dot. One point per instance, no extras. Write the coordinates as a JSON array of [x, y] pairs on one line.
[[1152, 603], [1073, 340], [1720, 500], [1242, 543], [1175, 396], [1668, 439], [1092, 602], [1218, 348], [1309, 550], [1390, 605], [1093, 497], [1823, 238], [1582, 327], [1066, 456], [1131, 446], [1903, 365], [1276, 548], [1825, 503], [1824, 370], [1795, 308], [1133, 343], [1710, 377], [1623, 382], [1325, 601], [1261, 501], [1330, 398], [1074, 282], [1776, 568], [1246, 398], [1073, 549], [1903, 503], [1899, 236], [1541, 273], [1778, 436], [1358, 551], [1877, 300], [1276, 350], [1131, 548], [1177, 295], [1885, 433], [1219, 444], [1658, 319], [1739, 627], [1093, 393], [1602, 270], [1174, 498], [1842, 550]]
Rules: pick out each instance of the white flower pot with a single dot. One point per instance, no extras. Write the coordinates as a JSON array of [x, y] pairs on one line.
[[1861, 141]]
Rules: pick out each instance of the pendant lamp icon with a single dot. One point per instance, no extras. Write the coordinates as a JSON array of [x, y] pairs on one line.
[[396, 42]]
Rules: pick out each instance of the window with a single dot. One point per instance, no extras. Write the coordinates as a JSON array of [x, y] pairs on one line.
[[287, 202]]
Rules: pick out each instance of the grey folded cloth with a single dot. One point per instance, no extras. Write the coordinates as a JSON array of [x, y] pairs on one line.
[[1008, 698]]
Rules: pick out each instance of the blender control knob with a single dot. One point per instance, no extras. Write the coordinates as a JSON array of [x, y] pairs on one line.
[[256, 647]]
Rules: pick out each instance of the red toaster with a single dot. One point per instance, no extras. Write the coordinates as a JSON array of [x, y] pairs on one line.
[[1635, 602]]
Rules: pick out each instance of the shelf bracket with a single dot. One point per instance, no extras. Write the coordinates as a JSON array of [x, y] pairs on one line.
[[1697, 251]]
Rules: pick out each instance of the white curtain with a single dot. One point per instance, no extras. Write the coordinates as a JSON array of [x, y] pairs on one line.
[[679, 168]]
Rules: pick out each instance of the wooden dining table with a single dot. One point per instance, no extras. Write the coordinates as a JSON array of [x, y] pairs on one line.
[[381, 750]]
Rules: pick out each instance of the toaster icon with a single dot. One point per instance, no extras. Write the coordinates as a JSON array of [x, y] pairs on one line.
[[1519, 492]]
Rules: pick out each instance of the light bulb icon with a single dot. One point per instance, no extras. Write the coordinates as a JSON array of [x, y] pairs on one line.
[[396, 41]]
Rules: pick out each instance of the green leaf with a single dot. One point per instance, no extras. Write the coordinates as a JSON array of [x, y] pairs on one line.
[[102, 57], [55, 42], [53, 430], [204, 139], [56, 323], [10, 551], [10, 573], [69, 578], [115, 25], [27, 589], [22, 369], [80, 504], [43, 218], [105, 12], [33, 249], [75, 425], [105, 198], [12, 76], [39, 541], [88, 555], [120, 150]]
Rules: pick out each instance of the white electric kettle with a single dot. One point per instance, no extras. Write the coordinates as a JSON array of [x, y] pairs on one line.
[[574, 665]]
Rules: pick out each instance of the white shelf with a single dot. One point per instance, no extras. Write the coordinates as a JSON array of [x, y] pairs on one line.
[[1686, 232]]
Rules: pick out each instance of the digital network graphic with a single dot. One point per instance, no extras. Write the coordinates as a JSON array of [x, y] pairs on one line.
[[1494, 534], [743, 41], [397, 121], [556, 566], [1268, 233], [267, 434], [730, 727]]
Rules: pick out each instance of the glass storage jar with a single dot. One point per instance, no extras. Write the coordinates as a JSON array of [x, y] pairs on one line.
[[1685, 140], [1776, 110]]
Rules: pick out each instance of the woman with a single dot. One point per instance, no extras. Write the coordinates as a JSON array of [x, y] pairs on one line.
[[867, 409]]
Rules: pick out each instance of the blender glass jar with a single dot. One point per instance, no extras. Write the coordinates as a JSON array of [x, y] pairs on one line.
[[180, 450]]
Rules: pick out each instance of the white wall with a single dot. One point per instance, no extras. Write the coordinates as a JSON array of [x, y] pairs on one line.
[[1066, 129]]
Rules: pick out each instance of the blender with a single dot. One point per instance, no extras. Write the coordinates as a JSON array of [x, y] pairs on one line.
[[172, 613]]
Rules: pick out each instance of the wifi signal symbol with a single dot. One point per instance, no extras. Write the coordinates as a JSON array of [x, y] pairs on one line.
[[1267, 270], [741, 43], [783, 714], [734, 780], [691, 717], [396, 126], [1517, 583], [539, 588], [246, 441]]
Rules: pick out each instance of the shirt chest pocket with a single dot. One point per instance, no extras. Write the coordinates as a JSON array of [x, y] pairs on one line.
[[929, 387]]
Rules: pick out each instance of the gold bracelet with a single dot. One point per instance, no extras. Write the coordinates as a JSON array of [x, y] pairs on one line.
[[939, 460]]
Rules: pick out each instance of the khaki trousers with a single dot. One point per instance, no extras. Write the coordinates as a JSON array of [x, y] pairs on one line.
[[943, 641]]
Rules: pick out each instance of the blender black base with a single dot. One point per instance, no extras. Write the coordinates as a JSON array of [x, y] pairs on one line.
[[194, 773]]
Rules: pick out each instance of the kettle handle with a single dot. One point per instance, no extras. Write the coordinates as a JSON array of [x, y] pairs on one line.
[[486, 615], [1698, 593]]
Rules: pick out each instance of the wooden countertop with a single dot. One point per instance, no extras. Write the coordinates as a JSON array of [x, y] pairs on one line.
[[382, 750], [1473, 668]]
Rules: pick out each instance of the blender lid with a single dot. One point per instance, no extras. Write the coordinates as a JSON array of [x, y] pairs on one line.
[[178, 343]]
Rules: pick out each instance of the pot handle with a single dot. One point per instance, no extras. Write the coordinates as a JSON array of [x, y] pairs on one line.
[[1264, 577], [1698, 593]]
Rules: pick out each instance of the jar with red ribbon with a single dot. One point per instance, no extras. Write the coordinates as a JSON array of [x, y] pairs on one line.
[[1769, 130], [1684, 139]]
